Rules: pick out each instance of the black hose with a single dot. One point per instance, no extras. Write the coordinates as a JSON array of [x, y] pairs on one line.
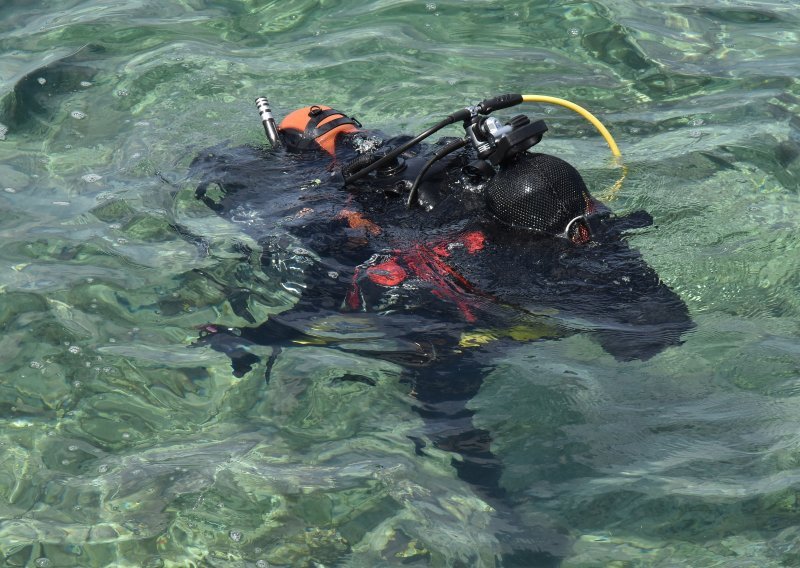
[[462, 114], [447, 149], [359, 162]]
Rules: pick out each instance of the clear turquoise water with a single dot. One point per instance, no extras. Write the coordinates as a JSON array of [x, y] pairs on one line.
[[119, 446]]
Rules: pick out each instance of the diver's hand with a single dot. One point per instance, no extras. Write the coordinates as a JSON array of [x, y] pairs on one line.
[[227, 341]]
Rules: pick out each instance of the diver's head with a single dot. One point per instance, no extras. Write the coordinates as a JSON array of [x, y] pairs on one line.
[[538, 192], [316, 127]]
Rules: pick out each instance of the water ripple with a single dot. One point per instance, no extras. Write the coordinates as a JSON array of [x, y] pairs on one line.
[[131, 446]]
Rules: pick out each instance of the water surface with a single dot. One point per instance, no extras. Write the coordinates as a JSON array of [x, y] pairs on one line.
[[121, 446]]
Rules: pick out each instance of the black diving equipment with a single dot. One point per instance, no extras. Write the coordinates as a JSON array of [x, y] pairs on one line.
[[527, 239], [537, 192]]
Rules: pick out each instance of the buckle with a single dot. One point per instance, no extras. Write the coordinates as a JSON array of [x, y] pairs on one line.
[[576, 223]]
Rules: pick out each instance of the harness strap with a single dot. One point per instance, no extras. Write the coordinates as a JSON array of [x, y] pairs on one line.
[[317, 115]]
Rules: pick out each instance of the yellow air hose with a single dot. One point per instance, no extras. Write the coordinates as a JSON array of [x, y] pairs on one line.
[[611, 193]]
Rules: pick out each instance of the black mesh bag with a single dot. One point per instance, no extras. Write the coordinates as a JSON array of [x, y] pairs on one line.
[[538, 192]]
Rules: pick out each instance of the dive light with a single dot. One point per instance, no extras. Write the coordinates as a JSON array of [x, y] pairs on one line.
[[270, 128]]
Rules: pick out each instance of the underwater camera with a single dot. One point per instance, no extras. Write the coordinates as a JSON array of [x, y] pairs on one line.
[[538, 192]]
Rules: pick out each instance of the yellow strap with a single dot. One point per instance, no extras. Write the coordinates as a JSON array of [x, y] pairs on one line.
[[611, 193]]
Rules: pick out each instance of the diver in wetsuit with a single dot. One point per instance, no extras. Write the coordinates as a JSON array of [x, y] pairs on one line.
[[461, 245]]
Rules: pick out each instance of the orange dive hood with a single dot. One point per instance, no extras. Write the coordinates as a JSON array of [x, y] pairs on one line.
[[316, 126]]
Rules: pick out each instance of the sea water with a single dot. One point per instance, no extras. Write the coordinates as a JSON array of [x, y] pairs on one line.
[[121, 445]]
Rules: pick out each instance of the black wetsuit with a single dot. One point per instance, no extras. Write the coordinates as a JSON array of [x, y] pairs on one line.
[[445, 276]]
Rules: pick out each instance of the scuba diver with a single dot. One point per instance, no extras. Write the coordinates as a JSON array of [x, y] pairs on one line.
[[451, 250]]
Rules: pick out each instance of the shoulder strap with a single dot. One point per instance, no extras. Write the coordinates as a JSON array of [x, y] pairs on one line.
[[317, 115]]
